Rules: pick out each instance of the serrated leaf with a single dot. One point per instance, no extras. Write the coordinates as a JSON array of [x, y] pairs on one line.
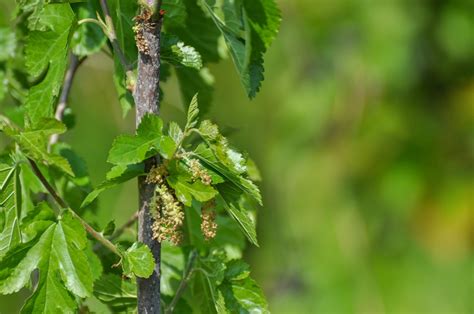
[[47, 51], [10, 207], [193, 114], [175, 132], [118, 293], [177, 53], [64, 270], [231, 200], [186, 191], [34, 141], [208, 158], [138, 260], [248, 28], [117, 175], [131, 149], [37, 221]]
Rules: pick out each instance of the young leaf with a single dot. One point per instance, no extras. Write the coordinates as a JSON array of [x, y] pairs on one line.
[[193, 114], [10, 207], [175, 132], [59, 255], [128, 149], [208, 158], [47, 51], [177, 53], [186, 191], [138, 260]]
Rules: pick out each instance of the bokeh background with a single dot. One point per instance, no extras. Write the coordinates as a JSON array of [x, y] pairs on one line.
[[364, 134]]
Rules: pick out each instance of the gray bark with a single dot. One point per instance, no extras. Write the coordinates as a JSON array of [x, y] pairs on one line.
[[146, 96]]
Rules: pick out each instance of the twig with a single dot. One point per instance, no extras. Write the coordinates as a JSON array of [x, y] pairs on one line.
[[62, 203], [120, 230], [124, 227], [112, 35], [74, 64], [183, 284]]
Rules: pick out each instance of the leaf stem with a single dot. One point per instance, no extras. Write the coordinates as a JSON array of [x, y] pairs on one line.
[[112, 35], [62, 203], [184, 282]]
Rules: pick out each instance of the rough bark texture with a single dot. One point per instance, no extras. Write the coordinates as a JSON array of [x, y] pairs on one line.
[[146, 96]]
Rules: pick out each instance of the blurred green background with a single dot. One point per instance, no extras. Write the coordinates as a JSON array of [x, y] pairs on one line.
[[364, 134]]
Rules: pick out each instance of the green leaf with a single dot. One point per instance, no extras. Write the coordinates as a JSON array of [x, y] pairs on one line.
[[193, 114], [240, 292], [118, 293], [209, 159], [47, 51], [231, 199], [10, 207], [138, 260], [192, 81], [186, 191], [177, 53], [64, 269], [37, 221], [206, 41], [117, 175], [248, 28], [175, 132], [88, 38], [34, 142], [204, 284], [128, 149]]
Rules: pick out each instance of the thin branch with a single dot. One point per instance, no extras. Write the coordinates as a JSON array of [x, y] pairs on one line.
[[112, 35], [124, 227], [74, 64], [62, 203], [120, 230], [183, 284]]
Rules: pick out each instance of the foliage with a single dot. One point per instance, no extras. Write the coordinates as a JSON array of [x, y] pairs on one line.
[[204, 189]]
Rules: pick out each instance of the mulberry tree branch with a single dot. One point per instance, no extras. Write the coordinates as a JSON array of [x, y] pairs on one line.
[[146, 96]]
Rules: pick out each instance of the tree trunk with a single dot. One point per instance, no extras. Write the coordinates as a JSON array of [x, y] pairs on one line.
[[146, 96]]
